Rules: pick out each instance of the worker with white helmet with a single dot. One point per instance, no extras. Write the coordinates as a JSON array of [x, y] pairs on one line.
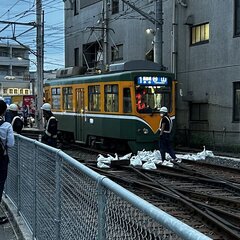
[[165, 128], [13, 117], [50, 133]]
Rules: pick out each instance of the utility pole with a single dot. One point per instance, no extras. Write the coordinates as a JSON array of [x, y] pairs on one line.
[[158, 22], [39, 41], [105, 31], [158, 54]]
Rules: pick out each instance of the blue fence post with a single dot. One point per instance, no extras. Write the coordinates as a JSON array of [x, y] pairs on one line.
[[58, 195], [35, 191], [101, 210], [18, 176]]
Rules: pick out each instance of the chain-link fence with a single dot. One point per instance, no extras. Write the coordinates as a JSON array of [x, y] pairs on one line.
[[226, 141], [60, 198]]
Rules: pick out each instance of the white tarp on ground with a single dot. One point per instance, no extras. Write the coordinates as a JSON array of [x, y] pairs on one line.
[[149, 159]]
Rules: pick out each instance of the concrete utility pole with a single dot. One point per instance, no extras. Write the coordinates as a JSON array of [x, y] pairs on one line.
[[158, 34], [158, 22], [39, 41], [105, 31]]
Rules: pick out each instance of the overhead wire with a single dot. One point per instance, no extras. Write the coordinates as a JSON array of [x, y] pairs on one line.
[[54, 32]]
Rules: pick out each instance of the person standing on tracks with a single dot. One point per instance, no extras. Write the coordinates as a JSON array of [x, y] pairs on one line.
[[165, 128], [7, 140], [14, 118], [50, 133]]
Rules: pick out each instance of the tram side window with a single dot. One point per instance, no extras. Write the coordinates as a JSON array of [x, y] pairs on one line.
[[127, 104], [94, 98], [56, 98], [67, 98], [111, 98]]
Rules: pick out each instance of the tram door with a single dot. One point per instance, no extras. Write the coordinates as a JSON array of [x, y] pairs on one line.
[[80, 113]]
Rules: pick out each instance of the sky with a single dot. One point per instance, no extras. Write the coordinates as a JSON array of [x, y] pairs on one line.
[[24, 11]]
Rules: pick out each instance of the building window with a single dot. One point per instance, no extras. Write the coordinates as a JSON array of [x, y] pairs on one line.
[[111, 98], [76, 57], [117, 52], [26, 91], [56, 98], [5, 91], [200, 34], [115, 6], [67, 98], [237, 18], [21, 91], [10, 91], [15, 91], [236, 101], [94, 98], [76, 7], [198, 112]]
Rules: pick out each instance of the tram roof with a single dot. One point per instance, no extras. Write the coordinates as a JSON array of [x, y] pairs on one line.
[[107, 77]]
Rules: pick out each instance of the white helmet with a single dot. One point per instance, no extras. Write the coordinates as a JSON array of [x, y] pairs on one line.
[[1, 98], [13, 107], [163, 110], [46, 107]]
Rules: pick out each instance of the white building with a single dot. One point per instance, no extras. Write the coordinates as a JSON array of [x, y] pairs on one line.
[[14, 70]]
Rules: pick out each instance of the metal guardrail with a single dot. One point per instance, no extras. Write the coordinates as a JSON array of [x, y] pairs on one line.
[[60, 198]]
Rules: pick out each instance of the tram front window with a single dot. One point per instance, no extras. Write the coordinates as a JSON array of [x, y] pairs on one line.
[[150, 99]]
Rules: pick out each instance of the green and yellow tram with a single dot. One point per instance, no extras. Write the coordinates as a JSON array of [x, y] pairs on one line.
[[119, 108]]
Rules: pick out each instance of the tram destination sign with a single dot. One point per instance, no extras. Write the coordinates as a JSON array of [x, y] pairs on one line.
[[152, 80]]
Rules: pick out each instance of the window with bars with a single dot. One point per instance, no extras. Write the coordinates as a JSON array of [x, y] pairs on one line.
[[200, 34]]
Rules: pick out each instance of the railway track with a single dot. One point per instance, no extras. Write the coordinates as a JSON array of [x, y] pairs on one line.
[[204, 196], [228, 174], [196, 213]]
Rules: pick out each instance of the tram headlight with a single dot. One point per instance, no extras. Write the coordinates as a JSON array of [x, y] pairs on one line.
[[145, 131]]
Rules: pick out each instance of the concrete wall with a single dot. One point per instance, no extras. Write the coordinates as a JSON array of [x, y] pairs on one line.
[[206, 72]]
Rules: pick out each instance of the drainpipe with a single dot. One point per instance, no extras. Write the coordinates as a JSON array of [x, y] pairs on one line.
[[174, 35], [174, 50]]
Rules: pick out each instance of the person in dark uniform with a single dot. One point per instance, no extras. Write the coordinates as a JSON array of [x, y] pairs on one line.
[[7, 140], [25, 115], [50, 133], [165, 128], [14, 118]]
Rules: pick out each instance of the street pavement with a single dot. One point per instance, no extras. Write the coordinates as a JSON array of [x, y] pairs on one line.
[[8, 231]]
